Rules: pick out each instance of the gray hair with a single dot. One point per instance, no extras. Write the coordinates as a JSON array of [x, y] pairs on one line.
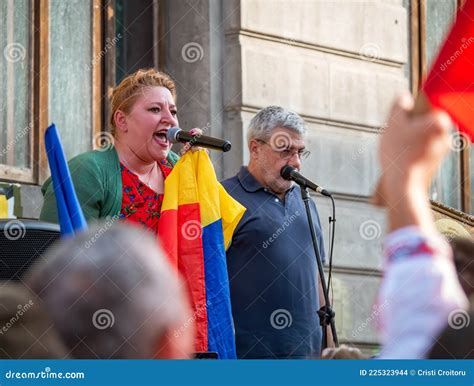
[[271, 117], [110, 294], [30, 334]]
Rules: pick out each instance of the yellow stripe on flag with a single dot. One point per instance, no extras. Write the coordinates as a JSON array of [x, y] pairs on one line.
[[194, 178]]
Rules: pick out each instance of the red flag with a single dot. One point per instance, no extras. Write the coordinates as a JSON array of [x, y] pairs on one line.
[[450, 82]]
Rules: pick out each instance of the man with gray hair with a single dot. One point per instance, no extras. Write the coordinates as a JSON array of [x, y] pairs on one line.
[[275, 290], [112, 295]]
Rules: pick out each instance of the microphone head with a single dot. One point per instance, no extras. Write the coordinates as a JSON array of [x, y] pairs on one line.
[[172, 134], [226, 146], [286, 171]]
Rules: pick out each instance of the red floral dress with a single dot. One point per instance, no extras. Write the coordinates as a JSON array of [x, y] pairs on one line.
[[140, 203]]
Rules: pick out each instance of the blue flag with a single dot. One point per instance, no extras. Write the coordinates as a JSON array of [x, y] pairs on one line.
[[70, 215]]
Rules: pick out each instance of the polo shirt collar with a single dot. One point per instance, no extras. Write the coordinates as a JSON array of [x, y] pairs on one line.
[[249, 183]]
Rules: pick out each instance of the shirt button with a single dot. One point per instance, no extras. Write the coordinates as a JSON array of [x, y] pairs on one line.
[[265, 190], [277, 200]]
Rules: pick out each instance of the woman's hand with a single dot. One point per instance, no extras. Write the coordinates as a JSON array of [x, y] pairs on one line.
[[197, 132]]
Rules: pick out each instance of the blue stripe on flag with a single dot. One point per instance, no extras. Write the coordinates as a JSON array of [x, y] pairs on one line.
[[221, 337]]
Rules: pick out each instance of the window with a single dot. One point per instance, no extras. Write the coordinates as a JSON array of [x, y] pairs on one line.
[[70, 75], [431, 20], [16, 103], [136, 21], [58, 62], [50, 71], [132, 22]]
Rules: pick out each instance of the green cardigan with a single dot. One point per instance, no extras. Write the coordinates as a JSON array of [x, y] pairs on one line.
[[98, 183]]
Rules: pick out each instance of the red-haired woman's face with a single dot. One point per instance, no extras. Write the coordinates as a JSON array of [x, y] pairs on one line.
[[146, 125]]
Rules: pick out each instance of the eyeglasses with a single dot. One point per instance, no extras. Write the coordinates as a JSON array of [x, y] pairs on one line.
[[288, 153]]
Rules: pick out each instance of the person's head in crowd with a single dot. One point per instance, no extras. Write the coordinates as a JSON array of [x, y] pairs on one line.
[[143, 108], [112, 294], [26, 331], [343, 352], [275, 137], [455, 342], [462, 245], [463, 252]]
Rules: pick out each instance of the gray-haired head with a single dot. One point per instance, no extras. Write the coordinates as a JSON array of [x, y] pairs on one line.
[[272, 117], [110, 292], [27, 331]]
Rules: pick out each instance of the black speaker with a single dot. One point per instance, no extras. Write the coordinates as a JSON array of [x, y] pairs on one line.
[[22, 242]]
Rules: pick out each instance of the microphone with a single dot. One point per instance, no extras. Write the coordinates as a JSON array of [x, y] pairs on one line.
[[291, 174], [175, 134]]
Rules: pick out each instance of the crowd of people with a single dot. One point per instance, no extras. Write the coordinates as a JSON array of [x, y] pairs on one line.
[[117, 297]]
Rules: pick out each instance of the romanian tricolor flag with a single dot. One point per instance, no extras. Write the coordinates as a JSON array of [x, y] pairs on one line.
[[198, 218]]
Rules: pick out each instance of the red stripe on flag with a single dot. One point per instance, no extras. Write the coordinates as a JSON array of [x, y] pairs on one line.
[[181, 235]]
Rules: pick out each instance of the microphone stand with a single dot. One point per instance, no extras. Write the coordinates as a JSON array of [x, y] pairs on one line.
[[326, 314]]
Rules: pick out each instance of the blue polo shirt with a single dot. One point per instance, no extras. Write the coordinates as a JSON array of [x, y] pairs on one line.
[[273, 273]]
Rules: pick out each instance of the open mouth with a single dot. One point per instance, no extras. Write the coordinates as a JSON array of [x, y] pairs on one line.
[[160, 138]]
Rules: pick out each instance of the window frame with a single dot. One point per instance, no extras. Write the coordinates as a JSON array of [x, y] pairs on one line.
[[38, 169], [419, 68]]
